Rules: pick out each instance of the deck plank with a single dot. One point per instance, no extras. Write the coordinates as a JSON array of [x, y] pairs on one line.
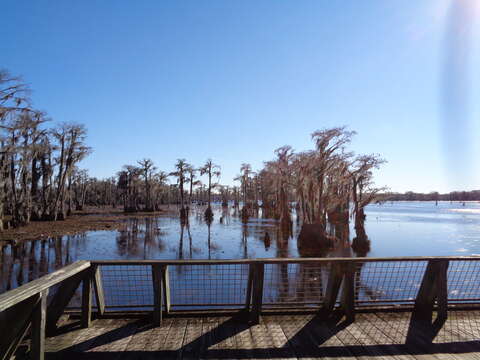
[[174, 339], [157, 338], [260, 332], [245, 341], [373, 328], [192, 342], [415, 337], [301, 344], [260, 340], [379, 336], [324, 337], [227, 344], [277, 338], [371, 342], [112, 341], [210, 330], [228, 331]]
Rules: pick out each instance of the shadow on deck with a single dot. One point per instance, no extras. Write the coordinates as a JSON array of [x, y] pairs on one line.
[[388, 334]]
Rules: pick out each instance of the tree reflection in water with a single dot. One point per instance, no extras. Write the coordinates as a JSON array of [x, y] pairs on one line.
[[27, 260], [245, 240], [163, 238], [189, 240], [180, 245]]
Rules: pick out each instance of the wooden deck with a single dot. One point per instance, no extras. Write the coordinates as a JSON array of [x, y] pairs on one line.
[[380, 335], [339, 289]]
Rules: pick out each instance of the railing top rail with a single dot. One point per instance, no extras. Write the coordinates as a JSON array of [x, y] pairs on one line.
[[34, 287], [281, 260]]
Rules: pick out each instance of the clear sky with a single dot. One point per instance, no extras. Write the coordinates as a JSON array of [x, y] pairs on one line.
[[234, 80]]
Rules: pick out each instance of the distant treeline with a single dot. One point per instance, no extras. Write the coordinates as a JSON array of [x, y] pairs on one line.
[[473, 195]]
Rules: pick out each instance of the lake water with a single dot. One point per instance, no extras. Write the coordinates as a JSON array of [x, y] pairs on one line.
[[395, 229]]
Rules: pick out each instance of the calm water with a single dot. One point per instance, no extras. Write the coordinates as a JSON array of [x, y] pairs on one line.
[[395, 229]]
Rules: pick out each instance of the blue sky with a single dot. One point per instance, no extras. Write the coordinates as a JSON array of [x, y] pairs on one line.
[[234, 80]]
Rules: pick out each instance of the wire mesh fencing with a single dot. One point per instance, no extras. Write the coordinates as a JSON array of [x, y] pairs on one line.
[[387, 282], [127, 286], [463, 281], [295, 283], [190, 286], [206, 286]]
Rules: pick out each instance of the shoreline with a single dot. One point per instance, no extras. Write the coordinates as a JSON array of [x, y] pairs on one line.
[[90, 219]]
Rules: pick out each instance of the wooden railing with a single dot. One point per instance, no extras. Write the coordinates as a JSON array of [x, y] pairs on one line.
[[25, 308], [423, 283]]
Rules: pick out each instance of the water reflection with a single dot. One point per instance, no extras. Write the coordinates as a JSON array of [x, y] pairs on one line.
[[397, 229], [26, 261], [209, 225], [139, 238], [299, 284]]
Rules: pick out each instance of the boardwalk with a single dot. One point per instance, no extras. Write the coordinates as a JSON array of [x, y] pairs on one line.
[[381, 335], [160, 292]]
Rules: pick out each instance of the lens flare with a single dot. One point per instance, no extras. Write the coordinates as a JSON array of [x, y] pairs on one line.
[[455, 101]]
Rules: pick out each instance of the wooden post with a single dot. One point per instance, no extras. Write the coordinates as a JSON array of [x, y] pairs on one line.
[[99, 294], [14, 324], [87, 301], [433, 287], [61, 299], [25, 308], [8, 349], [257, 296], [333, 286], [157, 294], [39, 320], [166, 288], [248, 299], [442, 292], [348, 291]]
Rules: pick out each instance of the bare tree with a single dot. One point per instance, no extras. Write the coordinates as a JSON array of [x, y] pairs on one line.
[[363, 190], [13, 101], [245, 179], [70, 138], [128, 183], [330, 145], [211, 170], [181, 168], [191, 180], [282, 181], [147, 168], [322, 182], [36, 164], [160, 188], [225, 194], [80, 181]]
